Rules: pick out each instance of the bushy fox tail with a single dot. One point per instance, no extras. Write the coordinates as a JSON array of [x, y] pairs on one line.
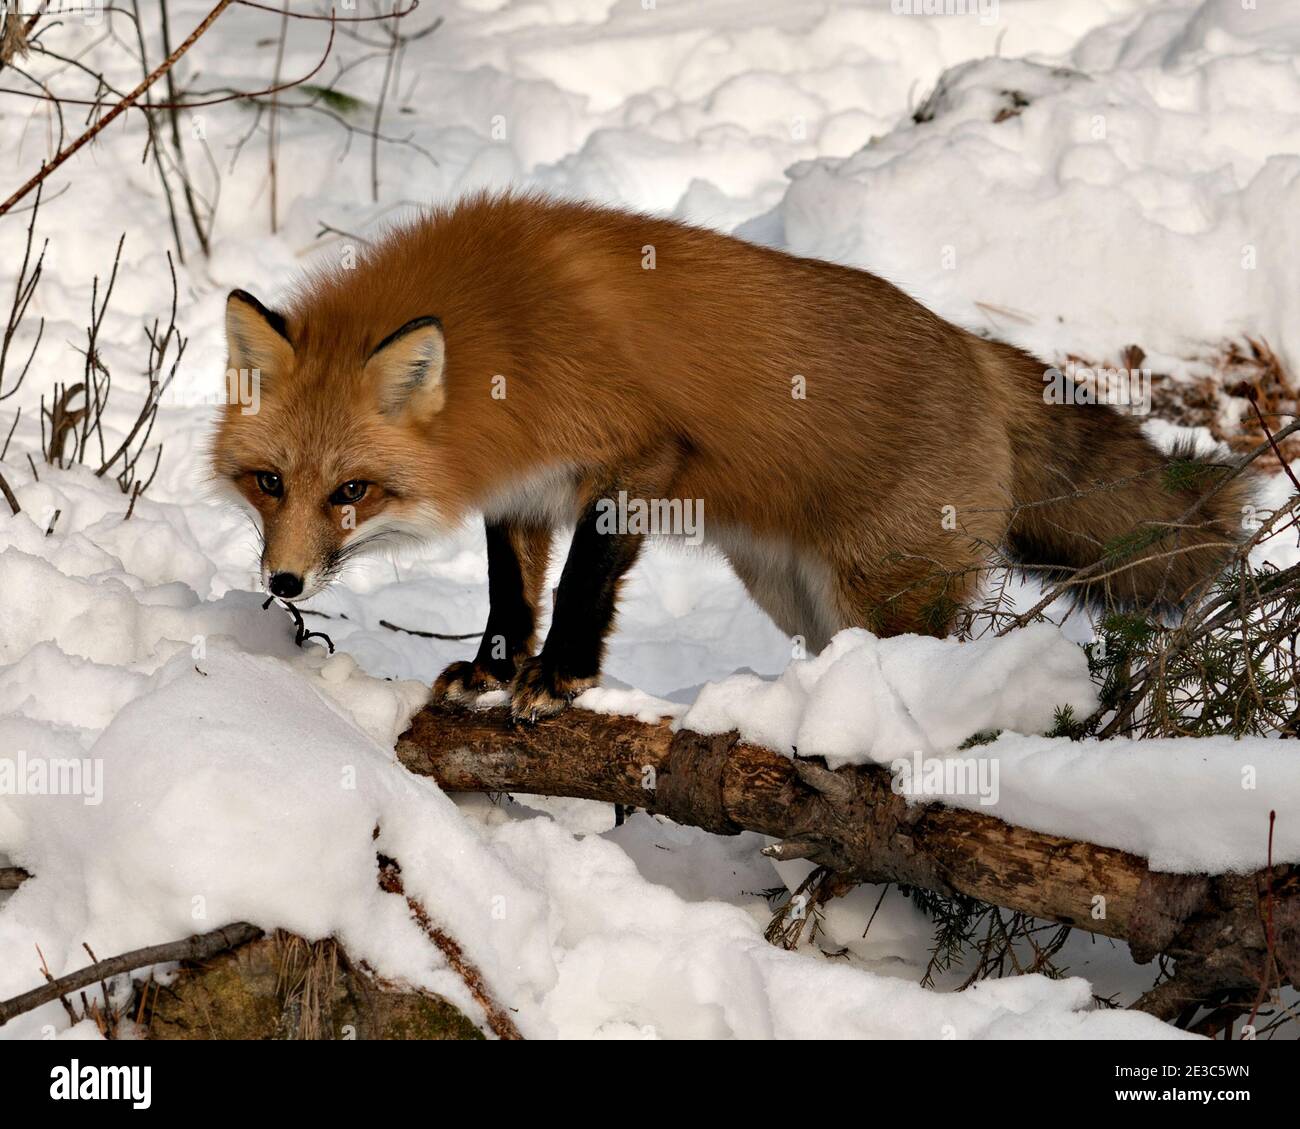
[[1092, 492]]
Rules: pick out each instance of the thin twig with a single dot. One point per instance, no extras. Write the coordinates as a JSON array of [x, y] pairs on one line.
[[430, 634], [9, 496]]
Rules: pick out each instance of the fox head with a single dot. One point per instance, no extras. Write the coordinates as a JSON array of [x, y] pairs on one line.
[[326, 439]]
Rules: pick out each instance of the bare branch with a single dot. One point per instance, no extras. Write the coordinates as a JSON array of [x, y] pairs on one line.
[[121, 107], [201, 946]]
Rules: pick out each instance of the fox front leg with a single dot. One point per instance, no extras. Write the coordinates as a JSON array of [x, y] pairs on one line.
[[517, 560], [569, 661]]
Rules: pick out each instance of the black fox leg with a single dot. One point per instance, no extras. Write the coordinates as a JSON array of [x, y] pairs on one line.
[[517, 560], [569, 661]]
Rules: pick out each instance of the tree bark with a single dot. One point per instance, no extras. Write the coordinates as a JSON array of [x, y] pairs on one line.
[[1216, 927]]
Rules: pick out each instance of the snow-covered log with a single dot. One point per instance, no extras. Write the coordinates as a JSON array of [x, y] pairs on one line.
[[1229, 933]]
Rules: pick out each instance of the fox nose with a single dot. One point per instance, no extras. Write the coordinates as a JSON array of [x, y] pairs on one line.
[[286, 585]]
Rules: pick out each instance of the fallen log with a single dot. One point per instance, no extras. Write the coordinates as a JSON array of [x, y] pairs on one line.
[[1230, 935]]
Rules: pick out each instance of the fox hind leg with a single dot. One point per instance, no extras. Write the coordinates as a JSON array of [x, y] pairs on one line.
[[917, 595]]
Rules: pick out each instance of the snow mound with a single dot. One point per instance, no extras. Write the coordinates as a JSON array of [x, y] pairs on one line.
[[1070, 200], [227, 775], [865, 699]]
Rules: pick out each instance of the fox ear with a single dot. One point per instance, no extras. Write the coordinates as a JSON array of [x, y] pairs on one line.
[[256, 337], [406, 369]]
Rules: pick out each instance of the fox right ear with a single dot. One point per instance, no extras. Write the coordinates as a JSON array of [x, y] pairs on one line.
[[256, 337]]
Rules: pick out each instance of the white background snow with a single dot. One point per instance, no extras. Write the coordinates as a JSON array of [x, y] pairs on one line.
[[1149, 192]]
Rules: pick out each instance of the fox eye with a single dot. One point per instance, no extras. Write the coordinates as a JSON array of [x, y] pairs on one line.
[[269, 483], [349, 492]]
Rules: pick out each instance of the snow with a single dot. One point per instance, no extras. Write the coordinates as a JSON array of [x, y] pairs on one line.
[[1196, 806], [224, 805], [243, 777], [865, 699], [1160, 154]]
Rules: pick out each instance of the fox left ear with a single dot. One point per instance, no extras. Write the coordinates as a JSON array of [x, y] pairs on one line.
[[406, 369]]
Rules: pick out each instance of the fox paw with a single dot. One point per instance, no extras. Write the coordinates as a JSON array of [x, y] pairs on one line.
[[463, 683], [539, 692]]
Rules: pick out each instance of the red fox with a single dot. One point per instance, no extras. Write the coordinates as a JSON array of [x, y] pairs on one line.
[[856, 458]]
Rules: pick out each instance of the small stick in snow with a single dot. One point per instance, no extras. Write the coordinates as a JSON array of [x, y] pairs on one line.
[[429, 634], [1270, 965], [73, 1018], [4, 450]]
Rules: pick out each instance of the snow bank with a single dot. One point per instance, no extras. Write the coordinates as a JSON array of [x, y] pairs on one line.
[[1143, 186], [1187, 805], [239, 778], [867, 699]]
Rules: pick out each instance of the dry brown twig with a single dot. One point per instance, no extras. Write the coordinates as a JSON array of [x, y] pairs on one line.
[[8, 493], [24, 287]]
